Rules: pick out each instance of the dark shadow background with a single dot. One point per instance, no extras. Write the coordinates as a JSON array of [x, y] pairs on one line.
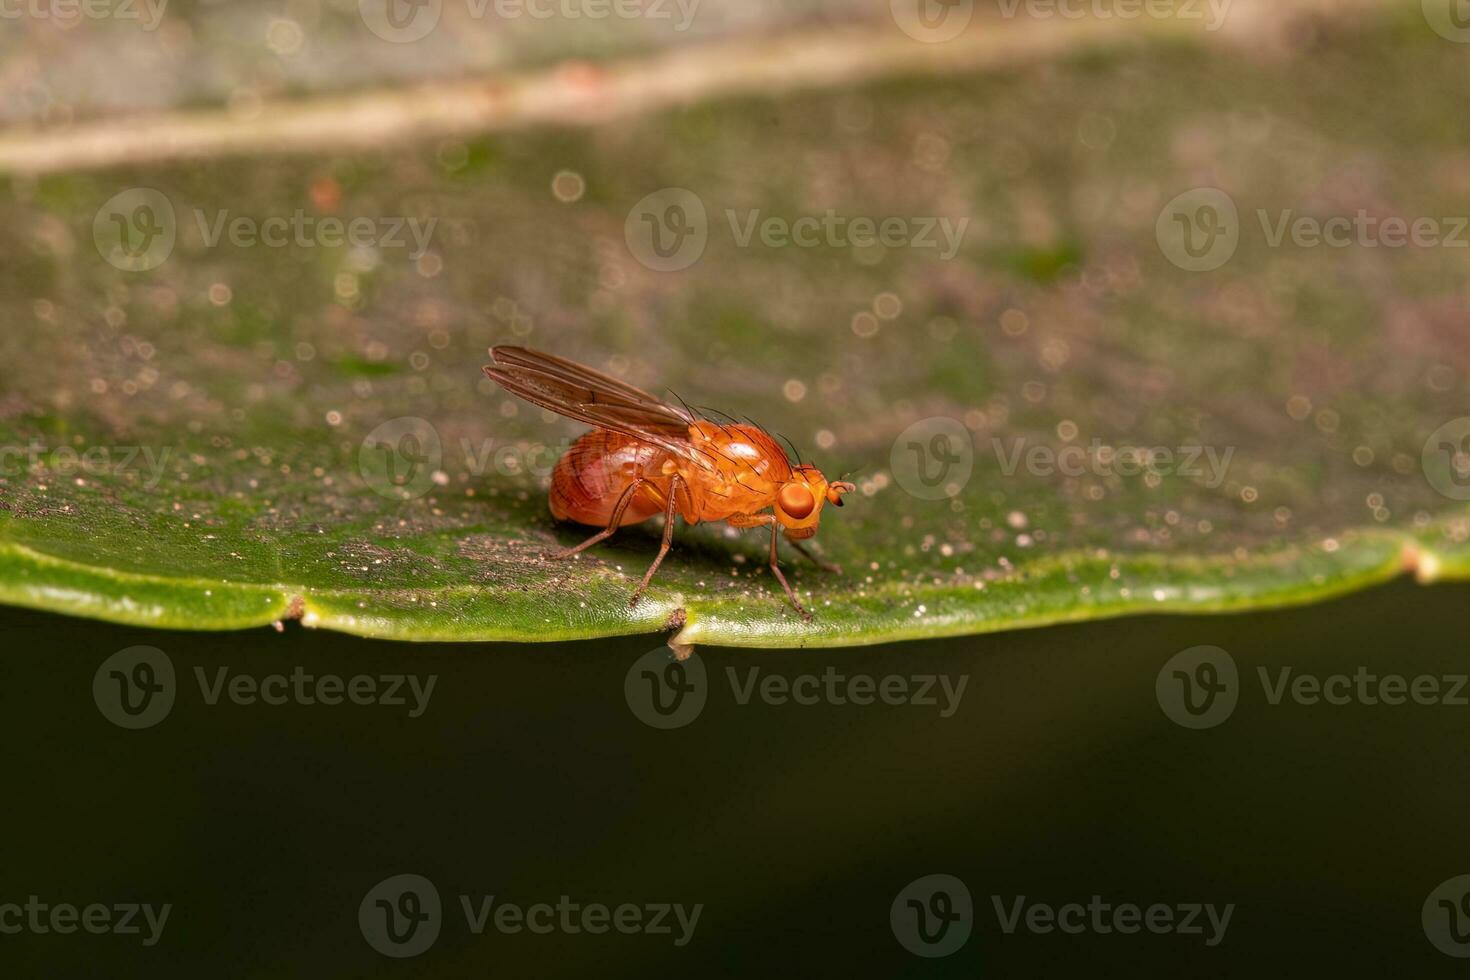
[[529, 777]]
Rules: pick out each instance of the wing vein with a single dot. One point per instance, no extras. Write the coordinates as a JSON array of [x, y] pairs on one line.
[[593, 398]]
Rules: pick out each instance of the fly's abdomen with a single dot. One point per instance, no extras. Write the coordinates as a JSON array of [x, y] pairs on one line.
[[594, 473]]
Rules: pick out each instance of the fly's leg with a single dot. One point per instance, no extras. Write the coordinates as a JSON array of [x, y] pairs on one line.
[[776, 571], [759, 520], [617, 515], [823, 564], [663, 549]]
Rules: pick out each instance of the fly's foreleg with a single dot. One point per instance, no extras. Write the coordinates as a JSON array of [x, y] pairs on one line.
[[675, 484], [776, 571], [757, 520], [617, 516]]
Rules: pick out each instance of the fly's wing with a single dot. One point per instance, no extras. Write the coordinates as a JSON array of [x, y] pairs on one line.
[[578, 392]]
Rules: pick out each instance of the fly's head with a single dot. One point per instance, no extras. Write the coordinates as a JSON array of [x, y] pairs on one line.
[[799, 500]]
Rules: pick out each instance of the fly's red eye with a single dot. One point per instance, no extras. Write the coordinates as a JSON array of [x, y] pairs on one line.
[[796, 500]]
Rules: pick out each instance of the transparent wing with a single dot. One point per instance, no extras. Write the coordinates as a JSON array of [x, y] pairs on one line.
[[578, 392]]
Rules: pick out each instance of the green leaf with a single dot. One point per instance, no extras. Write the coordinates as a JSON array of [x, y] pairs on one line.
[[246, 433]]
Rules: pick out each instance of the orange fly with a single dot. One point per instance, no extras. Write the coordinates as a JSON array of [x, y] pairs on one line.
[[645, 457]]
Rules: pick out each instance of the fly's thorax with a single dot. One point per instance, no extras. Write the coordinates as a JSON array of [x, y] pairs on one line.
[[743, 453], [739, 470], [714, 499]]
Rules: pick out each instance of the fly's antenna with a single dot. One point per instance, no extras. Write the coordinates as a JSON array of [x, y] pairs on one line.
[[852, 472]]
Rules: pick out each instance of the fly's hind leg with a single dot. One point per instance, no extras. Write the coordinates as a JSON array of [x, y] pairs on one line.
[[624, 500], [821, 563], [675, 485]]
